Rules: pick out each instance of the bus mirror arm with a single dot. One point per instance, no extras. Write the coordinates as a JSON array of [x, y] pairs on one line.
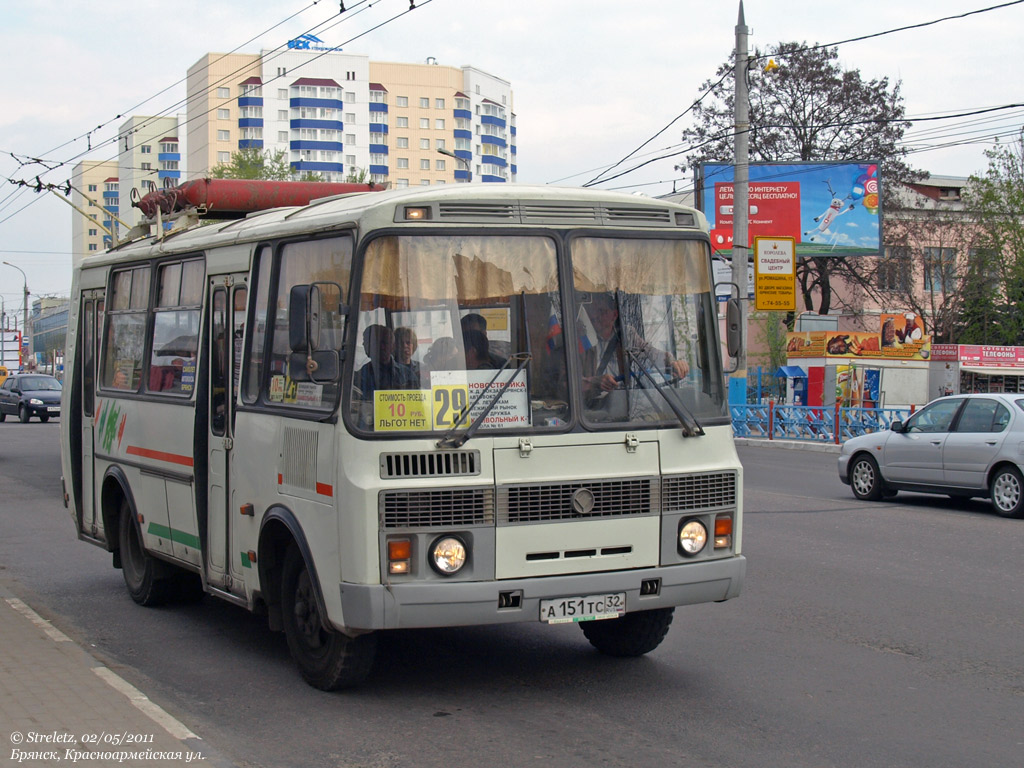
[[320, 366]]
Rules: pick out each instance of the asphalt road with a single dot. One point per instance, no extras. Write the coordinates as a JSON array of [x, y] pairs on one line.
[[888, 634]]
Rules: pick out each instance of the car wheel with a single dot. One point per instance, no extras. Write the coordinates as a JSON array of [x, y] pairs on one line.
[[865, 479], [1008, 492], [144, 576], [631, 635], [327, 659], [23, 415], [3, 416]]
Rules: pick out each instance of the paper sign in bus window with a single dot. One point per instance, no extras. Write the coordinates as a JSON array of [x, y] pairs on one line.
[[401, 410]]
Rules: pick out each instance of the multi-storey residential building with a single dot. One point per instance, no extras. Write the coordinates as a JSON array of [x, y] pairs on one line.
[[340, 115], [149, 157], [94, 190]]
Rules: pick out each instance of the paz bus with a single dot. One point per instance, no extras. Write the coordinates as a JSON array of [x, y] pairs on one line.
[[447, 406]]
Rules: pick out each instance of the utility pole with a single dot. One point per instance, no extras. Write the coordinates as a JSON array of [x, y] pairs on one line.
[[741, 197]]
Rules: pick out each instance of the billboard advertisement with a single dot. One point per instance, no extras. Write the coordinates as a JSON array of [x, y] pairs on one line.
[[829, 209]]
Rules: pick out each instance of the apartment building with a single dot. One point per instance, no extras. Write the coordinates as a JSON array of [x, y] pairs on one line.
[[149, 158], [339, 116], [94, 191]]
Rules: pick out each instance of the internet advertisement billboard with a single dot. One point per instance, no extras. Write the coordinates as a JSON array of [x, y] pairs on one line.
[[829, 209]]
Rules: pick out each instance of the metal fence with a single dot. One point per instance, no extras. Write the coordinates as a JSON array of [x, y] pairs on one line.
[[812, 423]]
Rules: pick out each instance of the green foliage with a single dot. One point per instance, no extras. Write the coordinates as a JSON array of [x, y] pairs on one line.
[[993, 289], [358, 176], [769, 333], [252, 163]]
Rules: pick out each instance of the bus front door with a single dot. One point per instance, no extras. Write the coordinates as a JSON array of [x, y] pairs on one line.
[[92, 314], [227, 319]]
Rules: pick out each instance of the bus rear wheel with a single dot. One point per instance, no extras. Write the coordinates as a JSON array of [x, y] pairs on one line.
[[631, 635], [327, 659], [145, 576]]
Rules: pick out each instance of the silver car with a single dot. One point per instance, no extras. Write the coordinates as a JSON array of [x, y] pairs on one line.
[[964, 445]]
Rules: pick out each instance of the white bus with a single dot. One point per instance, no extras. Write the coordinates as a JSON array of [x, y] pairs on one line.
[[459, 405]]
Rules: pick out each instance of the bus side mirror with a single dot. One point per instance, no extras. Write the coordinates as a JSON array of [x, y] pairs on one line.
[[733, 335], [303, 318], [315, 311]]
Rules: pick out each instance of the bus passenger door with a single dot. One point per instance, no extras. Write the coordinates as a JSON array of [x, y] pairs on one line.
[[92, 312], [227, 317]]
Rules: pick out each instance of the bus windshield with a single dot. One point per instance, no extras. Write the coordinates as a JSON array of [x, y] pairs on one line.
[[463, 328]]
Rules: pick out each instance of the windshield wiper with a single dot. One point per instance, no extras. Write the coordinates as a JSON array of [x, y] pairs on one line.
[[691, 427], [450, 439]]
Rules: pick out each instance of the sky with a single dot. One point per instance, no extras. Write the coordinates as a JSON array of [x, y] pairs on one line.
[[591, 79]]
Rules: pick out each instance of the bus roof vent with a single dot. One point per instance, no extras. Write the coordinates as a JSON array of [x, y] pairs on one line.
[[434, 464], [494, 211], [639, 215], [542, 212]]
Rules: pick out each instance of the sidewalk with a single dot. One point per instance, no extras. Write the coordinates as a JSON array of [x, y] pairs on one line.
[[792, 445], [59, 705]]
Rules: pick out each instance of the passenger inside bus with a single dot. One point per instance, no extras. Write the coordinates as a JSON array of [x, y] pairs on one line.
[[383, 371], [478, 323], [406, 344]]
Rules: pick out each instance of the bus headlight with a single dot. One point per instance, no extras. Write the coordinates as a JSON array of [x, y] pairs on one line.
[[448, 555], [693, 535]]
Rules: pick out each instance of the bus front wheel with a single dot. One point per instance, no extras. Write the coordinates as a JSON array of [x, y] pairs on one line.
[[327, 659], [631, 635], [145, 576]]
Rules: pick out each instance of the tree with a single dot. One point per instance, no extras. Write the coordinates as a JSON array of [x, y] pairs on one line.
[[995, 294], [808, 108], [253, 163]]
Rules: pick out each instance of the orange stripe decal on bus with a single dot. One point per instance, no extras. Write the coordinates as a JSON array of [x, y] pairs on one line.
[[324, 489], [173, 458]]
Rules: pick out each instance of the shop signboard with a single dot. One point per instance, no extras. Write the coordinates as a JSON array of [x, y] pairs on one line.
[[774, 274]]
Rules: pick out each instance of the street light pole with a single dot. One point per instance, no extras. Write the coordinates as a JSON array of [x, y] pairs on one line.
[[24, 317], [449, 153]]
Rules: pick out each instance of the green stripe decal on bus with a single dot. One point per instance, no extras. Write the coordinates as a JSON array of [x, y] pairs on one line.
[[178, 537], [246, 562]]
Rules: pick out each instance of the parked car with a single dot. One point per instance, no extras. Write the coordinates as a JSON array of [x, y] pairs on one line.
[[963, 445], [30, 394]]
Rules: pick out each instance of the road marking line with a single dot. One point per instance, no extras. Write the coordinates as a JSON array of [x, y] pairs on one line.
[[175, 727]]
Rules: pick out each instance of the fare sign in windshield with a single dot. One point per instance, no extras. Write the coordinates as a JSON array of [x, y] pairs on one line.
[[775, 274]]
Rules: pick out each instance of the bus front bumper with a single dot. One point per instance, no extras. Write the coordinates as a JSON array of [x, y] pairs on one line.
[[447, 604]]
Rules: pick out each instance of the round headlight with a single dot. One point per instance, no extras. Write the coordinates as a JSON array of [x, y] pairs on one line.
[[448, 555], [692, 537]]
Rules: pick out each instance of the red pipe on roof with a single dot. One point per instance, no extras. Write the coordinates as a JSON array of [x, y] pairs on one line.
[[234, 198]]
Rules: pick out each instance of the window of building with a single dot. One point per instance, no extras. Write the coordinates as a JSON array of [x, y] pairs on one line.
[[401, 183], [282, 72], [93, 246], [223, 93], [424, 143], [439, 144], [378, 138], [425, 123], [401, 101], [424, 165], [438, 103], [894, 269], [92, 187], [223, 135], [223, 157], [401, 122], [402, 142], [940, 270], [251, 112], [282, 137], [147, 166], [439, 165], [282, 94], [350, 118], [282, 115], [223, 114], [350, 96], [146, 149], [461, 103], [439, 124], [402, 163], [378, 159], [93, 232], [350, 138], [424, 182], [378, 97], [424, 102], [350, 159]]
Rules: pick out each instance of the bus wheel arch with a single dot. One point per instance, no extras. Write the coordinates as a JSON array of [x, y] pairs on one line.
[[280, 530], [114, 490]]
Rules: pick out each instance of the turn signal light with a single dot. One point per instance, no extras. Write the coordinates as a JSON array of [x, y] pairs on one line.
[[723, 532], [399, 556]]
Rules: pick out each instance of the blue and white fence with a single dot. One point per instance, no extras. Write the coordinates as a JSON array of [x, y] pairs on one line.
[[832, 424]]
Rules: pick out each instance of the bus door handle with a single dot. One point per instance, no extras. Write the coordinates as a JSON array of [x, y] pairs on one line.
[[228, 443]]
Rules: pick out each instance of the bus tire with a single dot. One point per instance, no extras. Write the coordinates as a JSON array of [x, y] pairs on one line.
[[144, 576], [327, 659], [631, 635]]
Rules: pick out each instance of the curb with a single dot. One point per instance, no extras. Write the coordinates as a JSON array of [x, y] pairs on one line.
[[790, 445]]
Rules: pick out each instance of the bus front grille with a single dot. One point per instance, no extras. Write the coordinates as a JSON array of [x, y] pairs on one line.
[[434, 464], [578, 500], [438, 507], [701, 491]]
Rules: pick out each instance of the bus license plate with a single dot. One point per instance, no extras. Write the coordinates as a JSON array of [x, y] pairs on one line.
[[564, 610]]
